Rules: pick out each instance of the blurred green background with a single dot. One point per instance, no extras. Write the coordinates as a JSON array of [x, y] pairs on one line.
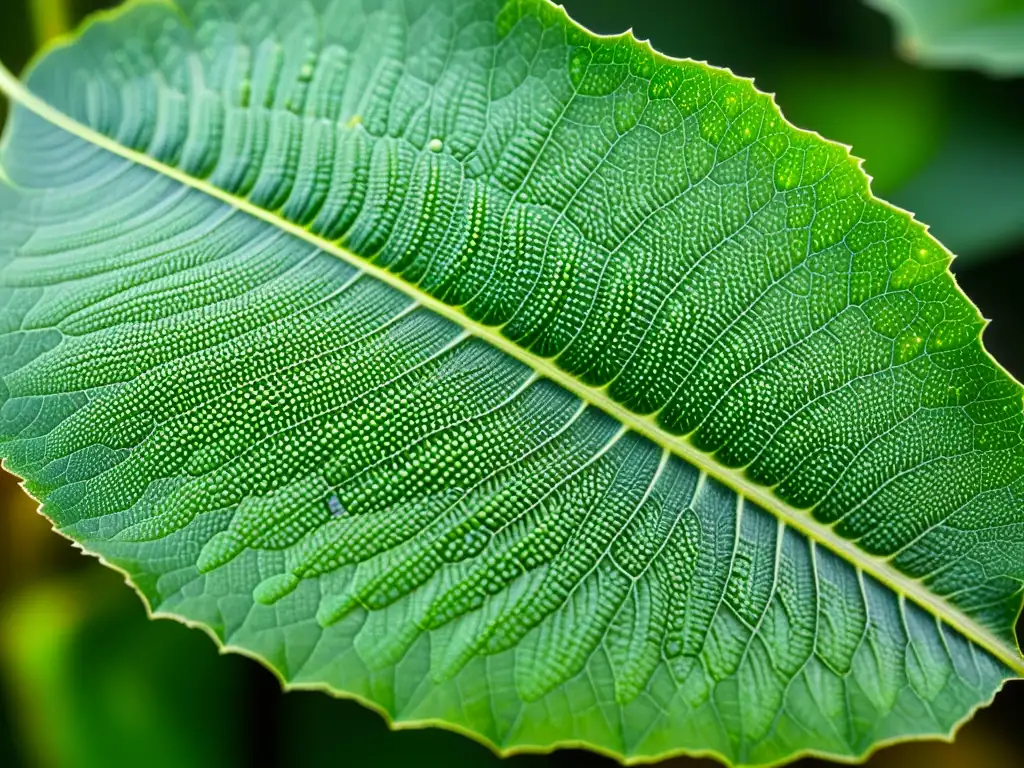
[[86, 680]]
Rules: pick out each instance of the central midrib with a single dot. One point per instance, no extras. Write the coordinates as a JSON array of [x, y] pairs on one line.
[[645, 425]]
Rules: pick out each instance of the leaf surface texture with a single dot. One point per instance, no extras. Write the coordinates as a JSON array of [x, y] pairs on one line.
[[445, 355]]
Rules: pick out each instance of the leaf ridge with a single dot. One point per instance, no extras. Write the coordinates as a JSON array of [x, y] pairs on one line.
[[645, 425]]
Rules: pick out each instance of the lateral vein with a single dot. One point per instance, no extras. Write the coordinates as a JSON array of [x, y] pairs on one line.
[[876, 567]]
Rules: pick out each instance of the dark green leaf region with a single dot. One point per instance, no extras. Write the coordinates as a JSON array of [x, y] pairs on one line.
[[508, 378]]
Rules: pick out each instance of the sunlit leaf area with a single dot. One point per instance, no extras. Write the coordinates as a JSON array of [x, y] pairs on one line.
[[929, 95]]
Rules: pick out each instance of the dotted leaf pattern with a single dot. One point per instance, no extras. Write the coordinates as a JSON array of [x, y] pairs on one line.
[[444, 355]]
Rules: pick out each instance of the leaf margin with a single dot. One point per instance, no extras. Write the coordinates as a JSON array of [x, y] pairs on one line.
[[1012, 657]]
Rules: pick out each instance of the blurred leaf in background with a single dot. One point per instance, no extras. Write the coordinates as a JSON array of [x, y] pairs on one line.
[[93, 686], [50, 18], [86, 680], [987, 34]]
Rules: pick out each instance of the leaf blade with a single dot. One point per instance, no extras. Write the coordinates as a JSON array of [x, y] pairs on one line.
[[630, 659]]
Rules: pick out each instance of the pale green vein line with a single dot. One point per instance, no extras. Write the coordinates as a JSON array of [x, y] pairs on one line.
[[878, 568]]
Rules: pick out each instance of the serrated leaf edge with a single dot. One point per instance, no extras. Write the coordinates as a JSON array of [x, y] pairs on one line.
[[15, 90]]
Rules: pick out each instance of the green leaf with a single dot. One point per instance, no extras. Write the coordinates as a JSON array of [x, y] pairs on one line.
[[505, 377], [981, 34]]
